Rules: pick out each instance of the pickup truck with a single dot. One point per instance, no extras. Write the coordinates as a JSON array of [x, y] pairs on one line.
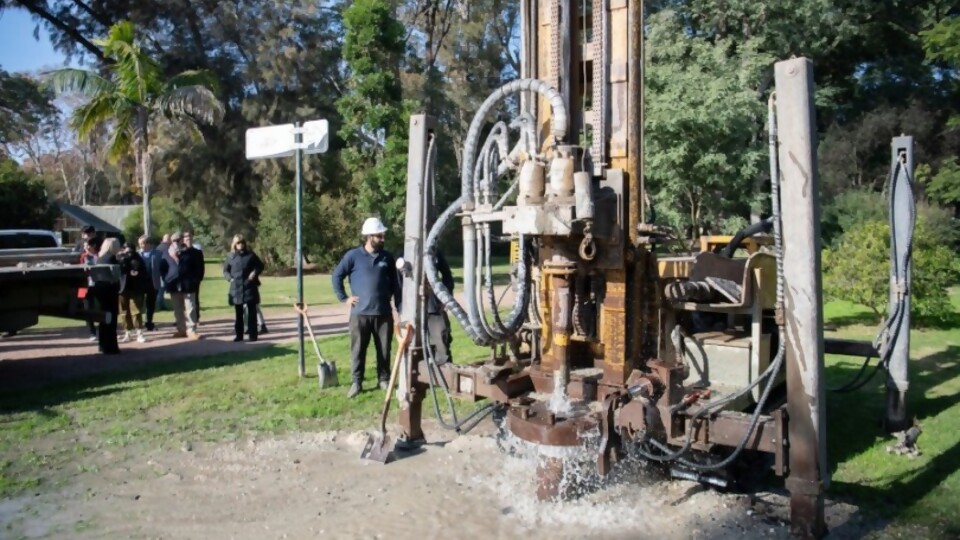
[[39, 277]]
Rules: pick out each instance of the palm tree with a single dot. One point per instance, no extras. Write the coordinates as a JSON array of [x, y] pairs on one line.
[[132, 92]]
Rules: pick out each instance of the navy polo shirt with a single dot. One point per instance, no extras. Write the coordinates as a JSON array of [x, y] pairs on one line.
[[373, 278]]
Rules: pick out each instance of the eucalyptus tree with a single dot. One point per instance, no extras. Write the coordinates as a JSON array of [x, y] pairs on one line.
[[129, 94]]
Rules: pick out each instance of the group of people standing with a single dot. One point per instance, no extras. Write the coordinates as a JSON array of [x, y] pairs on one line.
[[175, 266]]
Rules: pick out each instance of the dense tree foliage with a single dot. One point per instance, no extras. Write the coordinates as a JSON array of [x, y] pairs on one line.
[[883, 67], [373, 110], [25, 106], [23, 200]]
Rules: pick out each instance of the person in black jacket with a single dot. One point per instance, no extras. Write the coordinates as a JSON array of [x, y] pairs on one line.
[[242, 269], [107, 294], [134, 284]]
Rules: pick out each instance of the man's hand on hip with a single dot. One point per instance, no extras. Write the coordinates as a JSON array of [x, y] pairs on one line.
[[353, 300]]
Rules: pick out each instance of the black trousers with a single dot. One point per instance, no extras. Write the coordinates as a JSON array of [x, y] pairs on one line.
[[438, 330], [108, 300], [150, 303], [362, 328], [90, 304], [251, 321]]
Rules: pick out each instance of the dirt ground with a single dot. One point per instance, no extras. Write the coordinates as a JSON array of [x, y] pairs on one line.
[[310, 485], [315, 485]]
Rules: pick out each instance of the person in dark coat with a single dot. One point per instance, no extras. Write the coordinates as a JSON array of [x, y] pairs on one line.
[[134, 284], [197, 252], [151, 261], [438, 323], [107, 294], [242, 269], [182, 268]]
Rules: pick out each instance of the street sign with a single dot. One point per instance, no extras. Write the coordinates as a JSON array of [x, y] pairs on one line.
[[285, 141], [280, 141], [315, 139], [270, 142]]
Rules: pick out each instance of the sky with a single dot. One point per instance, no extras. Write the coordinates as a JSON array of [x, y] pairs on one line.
[[19, 51]]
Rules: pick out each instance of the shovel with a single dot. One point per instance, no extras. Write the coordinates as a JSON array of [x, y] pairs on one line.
[[381, 449], [326, 370]]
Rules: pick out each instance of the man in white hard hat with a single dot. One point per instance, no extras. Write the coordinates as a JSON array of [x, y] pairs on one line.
[[373, 281]]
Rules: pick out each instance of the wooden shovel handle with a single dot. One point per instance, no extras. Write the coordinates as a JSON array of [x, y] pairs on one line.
[[406, 337]]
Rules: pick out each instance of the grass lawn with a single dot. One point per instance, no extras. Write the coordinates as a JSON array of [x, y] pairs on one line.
[[48, 436], [924, 491]]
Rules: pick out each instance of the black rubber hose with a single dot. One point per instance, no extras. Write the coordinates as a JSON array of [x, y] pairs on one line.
[[756, 228]]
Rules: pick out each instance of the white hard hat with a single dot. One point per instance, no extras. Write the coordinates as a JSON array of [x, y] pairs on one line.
[[373, 226]]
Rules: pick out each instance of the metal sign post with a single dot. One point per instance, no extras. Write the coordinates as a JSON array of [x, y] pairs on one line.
[[298, 143], [284, 141]]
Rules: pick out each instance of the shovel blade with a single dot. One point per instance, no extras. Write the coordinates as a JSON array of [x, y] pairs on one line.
[[327, 374], [378, 448]]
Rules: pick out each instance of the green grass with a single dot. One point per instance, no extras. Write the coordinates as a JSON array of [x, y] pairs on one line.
[[49, 435], [52, 434], [923, 492]]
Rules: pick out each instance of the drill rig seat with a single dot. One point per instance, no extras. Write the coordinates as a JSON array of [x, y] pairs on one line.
[[727, 359]]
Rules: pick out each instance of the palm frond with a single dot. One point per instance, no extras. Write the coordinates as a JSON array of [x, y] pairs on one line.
[[137, 74], [197, 102], [119, 144], [120, 32], [194, 77], [92, 114], [80, 81]]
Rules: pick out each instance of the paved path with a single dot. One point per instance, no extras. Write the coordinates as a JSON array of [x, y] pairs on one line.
[[37, 357]]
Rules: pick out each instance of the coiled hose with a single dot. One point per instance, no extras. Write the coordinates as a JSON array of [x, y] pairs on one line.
[[469, 318]]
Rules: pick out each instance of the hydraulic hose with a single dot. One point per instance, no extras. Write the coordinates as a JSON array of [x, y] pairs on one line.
[[892, 327], [748, 231], [433, 373], [469, 318], [774, 367]]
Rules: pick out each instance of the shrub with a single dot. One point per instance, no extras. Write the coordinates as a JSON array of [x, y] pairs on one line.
[[857, 270], [23, 199]]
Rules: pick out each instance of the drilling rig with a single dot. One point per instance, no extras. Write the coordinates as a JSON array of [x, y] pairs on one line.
[[697, 362]]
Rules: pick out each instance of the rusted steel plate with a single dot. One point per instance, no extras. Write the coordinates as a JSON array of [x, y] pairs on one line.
[[534, 424]]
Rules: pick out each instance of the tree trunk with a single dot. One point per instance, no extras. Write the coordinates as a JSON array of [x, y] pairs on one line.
[[146, 173], [147, 181]]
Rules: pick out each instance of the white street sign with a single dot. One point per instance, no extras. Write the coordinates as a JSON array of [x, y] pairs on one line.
[[315, 140], [270, 142], [279, 141]]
